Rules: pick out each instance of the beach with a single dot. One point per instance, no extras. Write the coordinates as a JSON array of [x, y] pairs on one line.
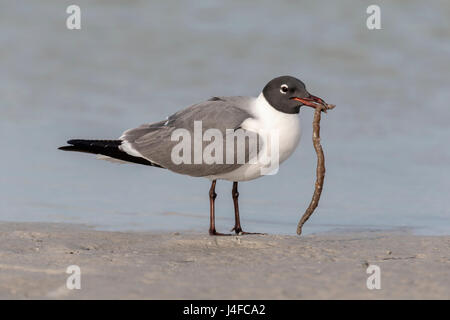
[[183, 265]]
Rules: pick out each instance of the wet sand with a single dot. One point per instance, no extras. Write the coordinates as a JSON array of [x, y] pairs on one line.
[[119, 265]]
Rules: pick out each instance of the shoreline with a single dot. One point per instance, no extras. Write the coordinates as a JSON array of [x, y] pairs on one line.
[[188, 265]]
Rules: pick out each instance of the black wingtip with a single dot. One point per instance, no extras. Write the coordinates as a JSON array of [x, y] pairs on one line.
[[108, 148], [75, 141], [66, 148]]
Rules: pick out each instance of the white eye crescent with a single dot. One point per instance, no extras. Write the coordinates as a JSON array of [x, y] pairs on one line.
[[284, 88]]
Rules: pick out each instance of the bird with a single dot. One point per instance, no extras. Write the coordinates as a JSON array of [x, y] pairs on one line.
[[218, 120]]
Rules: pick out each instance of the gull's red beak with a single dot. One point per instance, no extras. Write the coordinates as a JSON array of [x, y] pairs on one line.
[[310, 101]]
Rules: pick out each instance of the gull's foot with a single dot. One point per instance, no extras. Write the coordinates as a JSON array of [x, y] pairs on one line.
[[215, 233], [240, 232]]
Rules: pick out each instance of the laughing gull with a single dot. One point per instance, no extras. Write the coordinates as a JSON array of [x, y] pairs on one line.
[[274, 111]]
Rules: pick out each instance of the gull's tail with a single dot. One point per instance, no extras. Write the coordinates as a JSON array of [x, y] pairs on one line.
[[107, 148]]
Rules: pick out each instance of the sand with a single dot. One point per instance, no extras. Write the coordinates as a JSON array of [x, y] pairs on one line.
[[120, 265]]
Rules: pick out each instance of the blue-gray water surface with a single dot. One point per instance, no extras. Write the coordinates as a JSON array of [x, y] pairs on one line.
[[132, 62]]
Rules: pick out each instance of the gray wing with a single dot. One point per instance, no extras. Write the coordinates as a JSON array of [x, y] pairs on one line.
[[153, 141]]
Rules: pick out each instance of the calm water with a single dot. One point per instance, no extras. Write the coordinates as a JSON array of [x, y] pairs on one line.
[[386, 144]]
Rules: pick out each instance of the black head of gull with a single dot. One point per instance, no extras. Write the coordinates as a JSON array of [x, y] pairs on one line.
[[287, 94]]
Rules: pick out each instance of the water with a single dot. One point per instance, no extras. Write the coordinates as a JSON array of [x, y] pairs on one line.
[[388, 163]]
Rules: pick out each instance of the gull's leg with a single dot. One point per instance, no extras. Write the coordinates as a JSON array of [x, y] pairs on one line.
[[212, 218], [237, 221]]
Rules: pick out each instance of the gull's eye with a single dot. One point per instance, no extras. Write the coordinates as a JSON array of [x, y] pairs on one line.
[[284, 88]]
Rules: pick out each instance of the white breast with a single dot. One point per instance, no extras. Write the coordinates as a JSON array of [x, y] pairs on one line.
[[267, 119]]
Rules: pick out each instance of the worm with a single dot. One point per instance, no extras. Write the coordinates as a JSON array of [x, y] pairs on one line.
[[320, 170]]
